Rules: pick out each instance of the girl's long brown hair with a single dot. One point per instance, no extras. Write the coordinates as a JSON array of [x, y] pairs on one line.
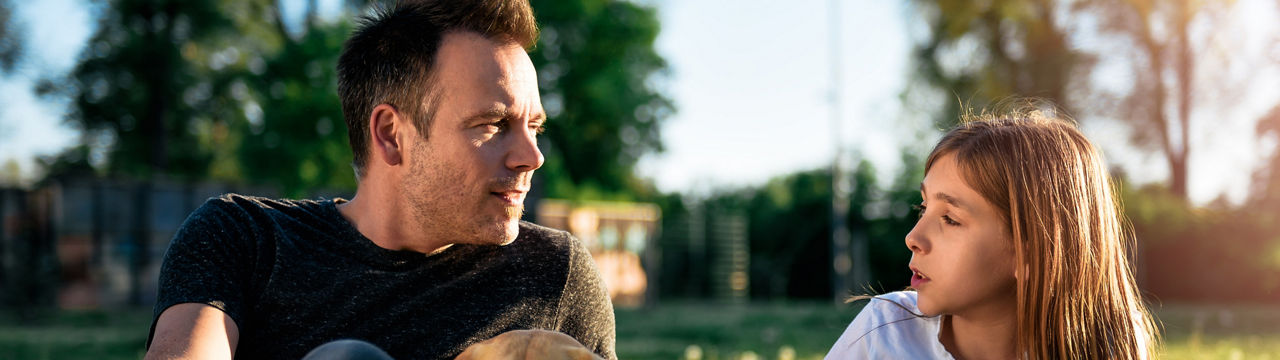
[[1076, 294]]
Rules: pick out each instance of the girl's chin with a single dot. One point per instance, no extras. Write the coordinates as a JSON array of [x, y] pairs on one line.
[[926, 307]]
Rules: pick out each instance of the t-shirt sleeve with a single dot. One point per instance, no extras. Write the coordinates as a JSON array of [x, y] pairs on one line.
[[585, 311], [207, 262]]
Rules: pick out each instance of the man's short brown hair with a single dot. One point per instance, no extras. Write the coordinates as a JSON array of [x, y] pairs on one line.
[[389, 59]]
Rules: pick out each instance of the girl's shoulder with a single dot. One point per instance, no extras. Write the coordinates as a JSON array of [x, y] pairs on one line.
[[890, 326]]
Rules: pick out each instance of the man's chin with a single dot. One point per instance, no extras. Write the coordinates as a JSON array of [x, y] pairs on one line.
[[500, 233], [511, 231]]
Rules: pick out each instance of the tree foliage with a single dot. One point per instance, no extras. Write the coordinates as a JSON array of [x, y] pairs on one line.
[[1164, 49], [11, 44], [596, 68], [227, 90], [294, 135], [149, 90], [984, 51], [981, 52], [789, 228], [11, 50]]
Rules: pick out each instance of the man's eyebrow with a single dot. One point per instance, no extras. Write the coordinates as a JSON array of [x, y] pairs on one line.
[[500, 112], [945, 198], [496, 112]]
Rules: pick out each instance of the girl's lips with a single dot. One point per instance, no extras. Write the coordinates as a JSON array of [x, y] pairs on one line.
[[917, 278]]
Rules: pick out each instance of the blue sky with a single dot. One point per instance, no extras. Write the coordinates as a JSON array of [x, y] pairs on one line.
[[30, 126], [752, 81]]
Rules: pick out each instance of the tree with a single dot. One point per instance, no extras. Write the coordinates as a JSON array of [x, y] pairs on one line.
[[1160, 105], [150, 80], [11, 44], [1266, 182], [147, 82], [198, 89], [1025, 48], [294, 136], [596, 65], [981, 52], [789, 228], [595, 60]]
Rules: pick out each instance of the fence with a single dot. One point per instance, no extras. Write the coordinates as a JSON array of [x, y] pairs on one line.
[[90, 242]]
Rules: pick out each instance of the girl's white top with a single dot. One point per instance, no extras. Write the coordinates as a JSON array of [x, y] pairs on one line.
[[883, 330]]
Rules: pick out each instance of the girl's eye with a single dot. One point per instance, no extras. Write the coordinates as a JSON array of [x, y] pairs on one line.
[[919, 208], [949, 221]]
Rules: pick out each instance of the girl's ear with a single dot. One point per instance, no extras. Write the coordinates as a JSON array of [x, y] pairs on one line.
[[1020, 271]]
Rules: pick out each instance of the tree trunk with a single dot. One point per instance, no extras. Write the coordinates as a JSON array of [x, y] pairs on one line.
[[160, 89], [1178, 164], [1178, 174]]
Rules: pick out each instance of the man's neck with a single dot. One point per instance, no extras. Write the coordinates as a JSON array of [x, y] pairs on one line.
[[388, 223], [981, 335]]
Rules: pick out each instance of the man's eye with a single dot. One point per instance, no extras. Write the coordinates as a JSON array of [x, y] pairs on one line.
[[538, 128]]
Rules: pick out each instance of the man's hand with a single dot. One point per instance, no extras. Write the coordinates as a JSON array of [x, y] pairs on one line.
[[528, 344]]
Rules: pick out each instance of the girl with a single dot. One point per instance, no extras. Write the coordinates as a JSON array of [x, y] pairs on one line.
[[1020, 253]]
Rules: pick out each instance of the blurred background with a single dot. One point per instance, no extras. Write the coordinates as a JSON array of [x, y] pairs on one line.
[[737, 168]]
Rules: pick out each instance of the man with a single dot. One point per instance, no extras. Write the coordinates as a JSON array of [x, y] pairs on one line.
[[429, 257]]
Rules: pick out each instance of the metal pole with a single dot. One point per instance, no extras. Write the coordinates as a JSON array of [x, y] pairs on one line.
[[841, 263]]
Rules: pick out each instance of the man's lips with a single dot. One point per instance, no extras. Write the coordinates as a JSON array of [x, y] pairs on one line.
[[510, 196]]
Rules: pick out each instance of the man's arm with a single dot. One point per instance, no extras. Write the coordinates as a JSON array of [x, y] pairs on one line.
[[586, 313], [194, 331], [201, 284]]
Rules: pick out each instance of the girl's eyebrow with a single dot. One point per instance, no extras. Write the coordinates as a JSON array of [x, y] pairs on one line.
[[945, 198]]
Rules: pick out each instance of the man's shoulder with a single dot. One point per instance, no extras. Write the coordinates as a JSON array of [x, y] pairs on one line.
[[250, 202], [255, 206], [539, 231], [556, 243], [248, 213], [541, 235]]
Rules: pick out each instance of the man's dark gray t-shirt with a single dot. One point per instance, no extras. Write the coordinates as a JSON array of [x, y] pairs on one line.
[[294, 274]]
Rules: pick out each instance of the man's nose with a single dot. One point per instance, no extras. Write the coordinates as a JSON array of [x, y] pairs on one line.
[[523, 154]]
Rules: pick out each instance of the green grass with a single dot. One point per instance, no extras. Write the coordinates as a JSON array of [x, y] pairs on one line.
[[105, 335], [1220, 332], [760, 331], [731, 331]]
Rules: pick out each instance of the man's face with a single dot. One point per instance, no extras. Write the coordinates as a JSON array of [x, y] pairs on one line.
[[467, 181]]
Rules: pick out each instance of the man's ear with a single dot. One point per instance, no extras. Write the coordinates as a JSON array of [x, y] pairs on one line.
[[385, 124]]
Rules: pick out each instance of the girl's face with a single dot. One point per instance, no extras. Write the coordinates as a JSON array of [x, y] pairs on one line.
[[961, 250]]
